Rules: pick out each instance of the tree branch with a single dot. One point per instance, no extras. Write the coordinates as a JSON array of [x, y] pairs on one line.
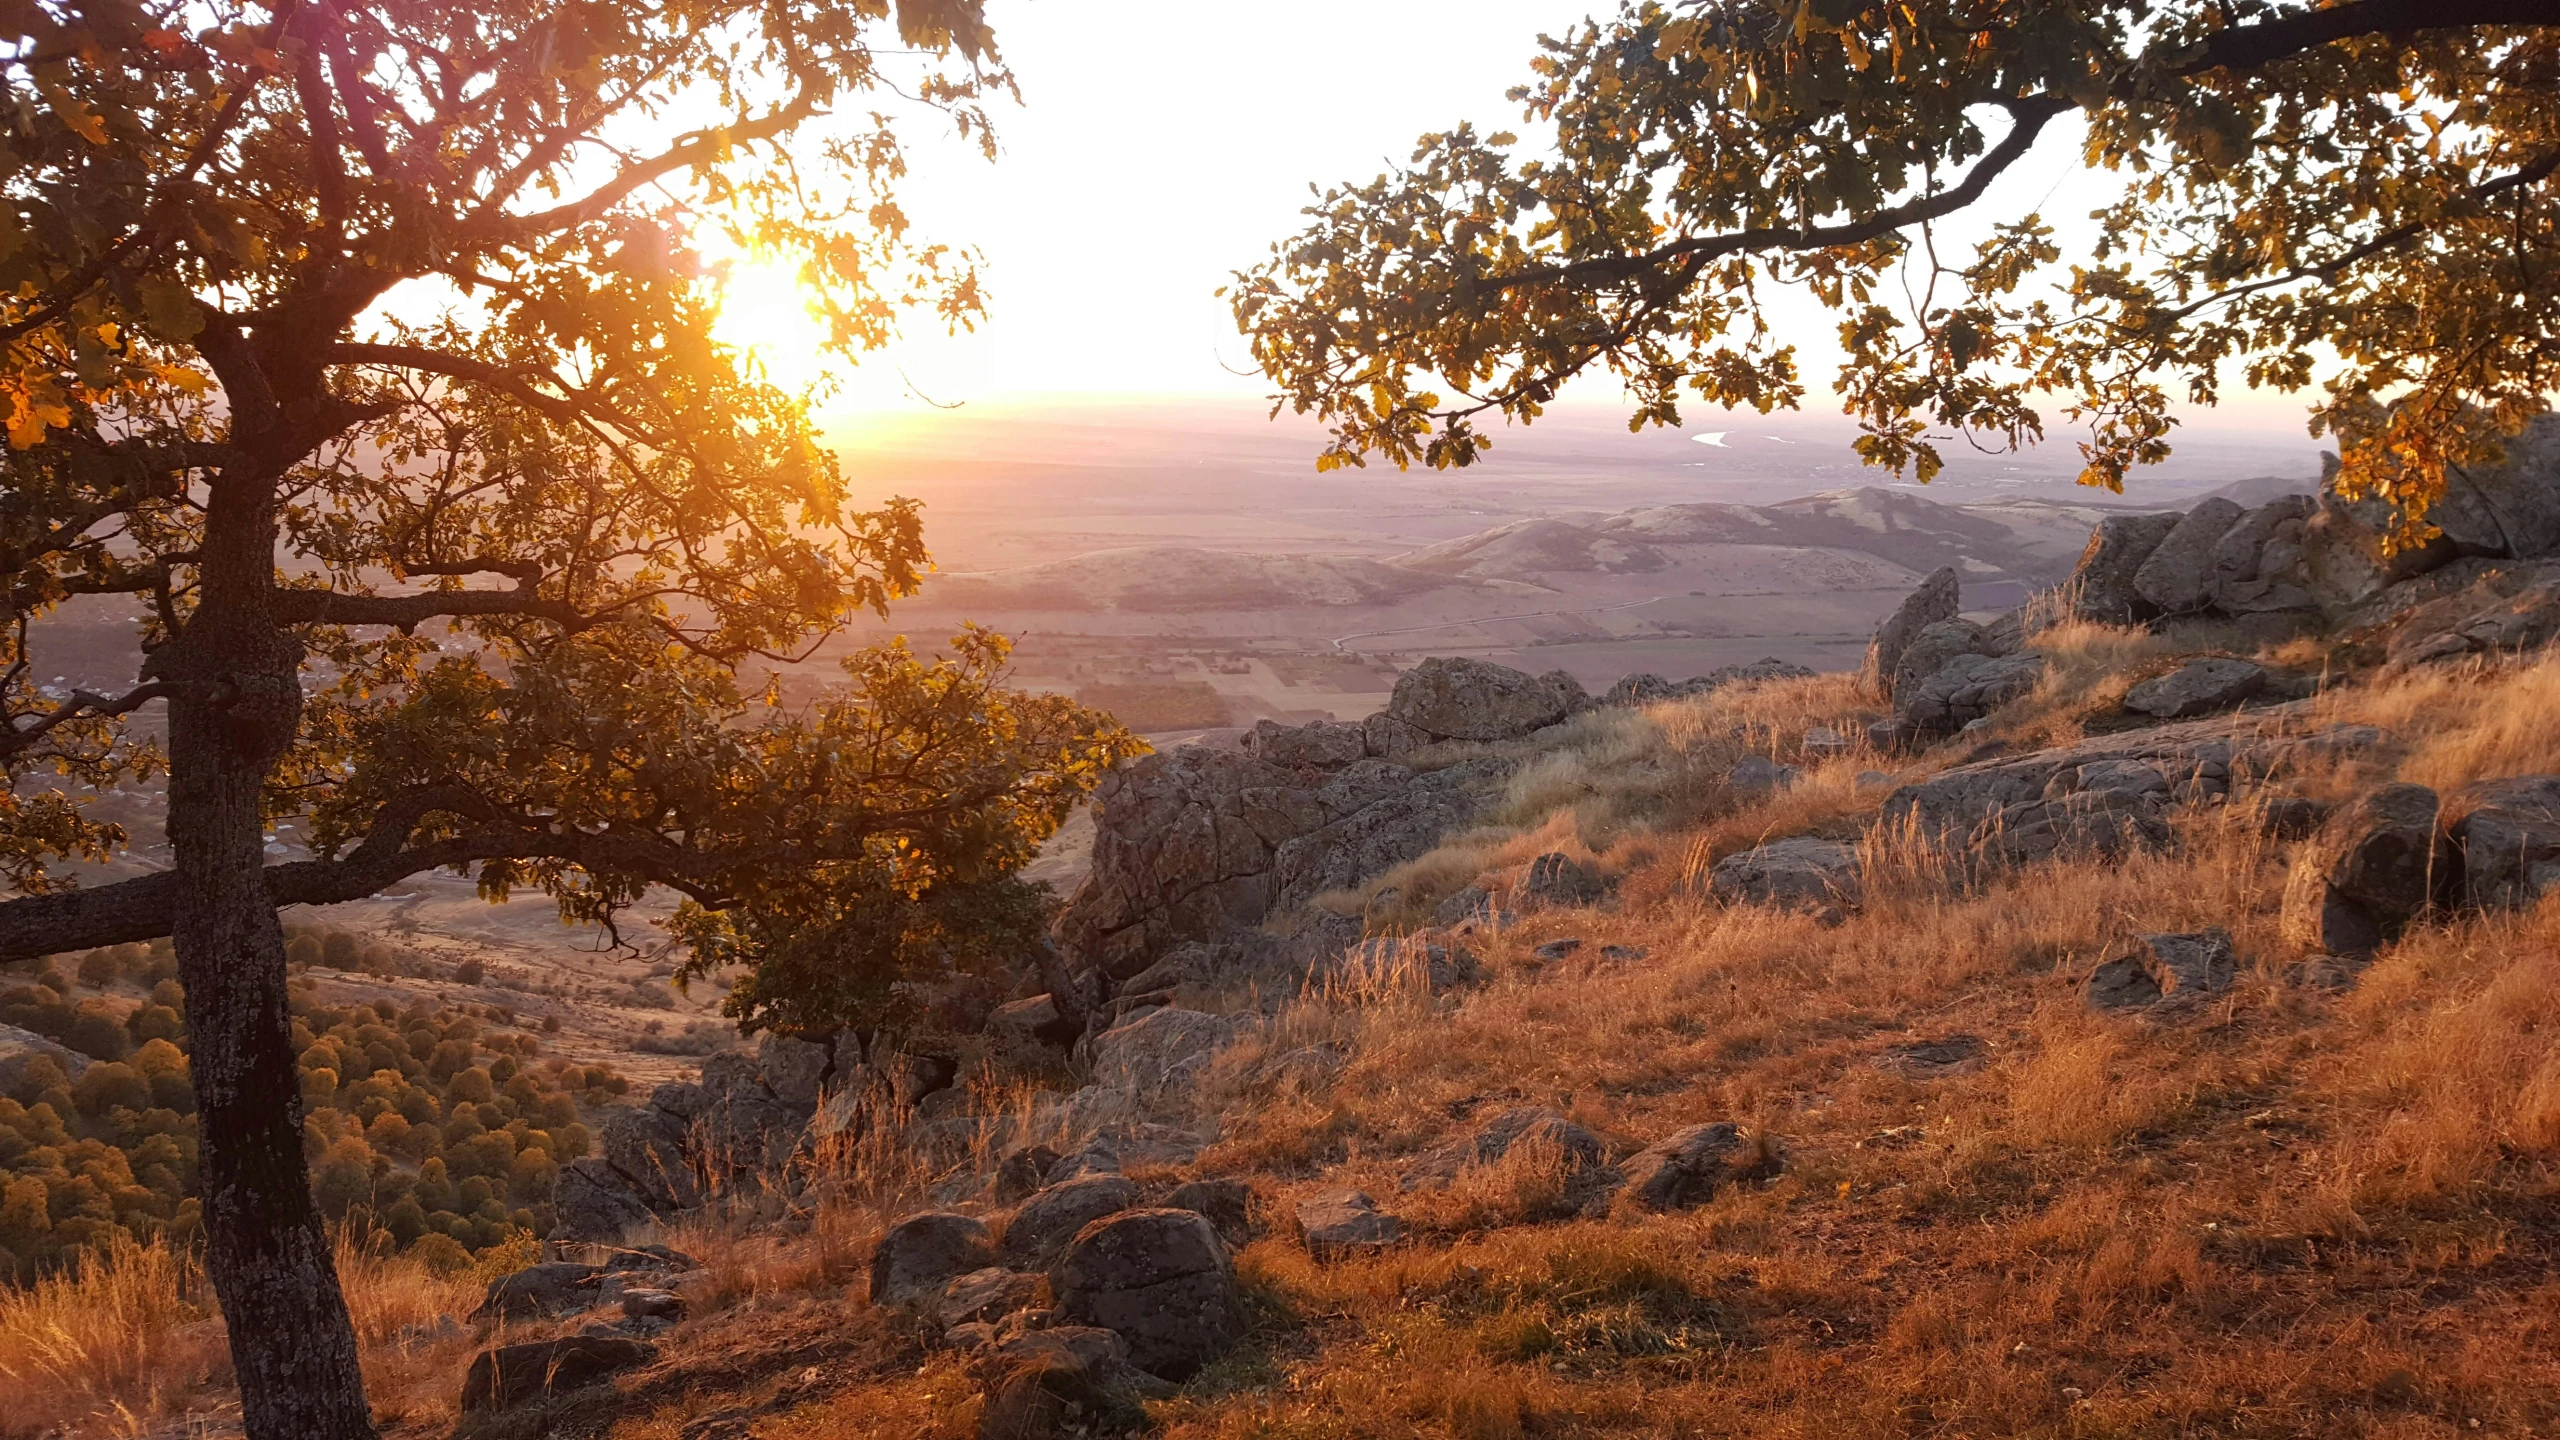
[[2261, 43], [17, 740]]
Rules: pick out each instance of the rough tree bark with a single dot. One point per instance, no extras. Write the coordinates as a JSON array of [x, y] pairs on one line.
[[236, 711]]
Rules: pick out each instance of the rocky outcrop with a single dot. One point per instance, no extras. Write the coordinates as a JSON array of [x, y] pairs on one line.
[[1039, 1230], [1651, 689], [2102, 585], [1967, 688], [2177, 577], [20, 1048], [1578, 1149], [2103, 796], [1558, 879], [2369, 872], [922, 1253], [1159, 1053], [1936, 600]]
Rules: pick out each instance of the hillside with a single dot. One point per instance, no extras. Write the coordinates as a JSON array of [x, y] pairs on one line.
[[2140, 1028]]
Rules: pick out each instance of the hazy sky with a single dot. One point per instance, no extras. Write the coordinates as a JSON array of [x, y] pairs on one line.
[[1163, 143]]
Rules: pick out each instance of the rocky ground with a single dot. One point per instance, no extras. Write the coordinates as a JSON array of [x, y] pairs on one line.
[[2133, 1014]]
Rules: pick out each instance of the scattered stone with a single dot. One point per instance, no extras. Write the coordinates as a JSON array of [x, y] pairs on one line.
[[511, 1374], [1823, 742], [2164, 968], [1161, 1280], [2287, 817], [1581, 1150], [1041, 1228], [793, 1069], [1937, 599], [1559, 879], [1050, 1393], [923, 1252], [2199, 687], [1557, 949], [542, 1291], [1334, 1223], [1935, 648], [2102, 587], [1622, 952], [1388, 962], [2505, 841], [1932, 1059], [1022, 1169], [1228, 1204], [1872, 779], [1760, 775], [1030, 1023], [986, 1296], [2369, 872], [1684, 1168], [1802, 873], [648, 1304], [1472, 903]]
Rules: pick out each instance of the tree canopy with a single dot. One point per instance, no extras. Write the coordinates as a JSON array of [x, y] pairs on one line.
[[368, 348], [2354, 198]]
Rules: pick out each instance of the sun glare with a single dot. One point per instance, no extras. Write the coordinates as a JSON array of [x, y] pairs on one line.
[[765, 313]]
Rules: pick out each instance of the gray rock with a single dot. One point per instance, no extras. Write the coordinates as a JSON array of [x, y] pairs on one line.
[[1496, 1137], [1472, 903], [1639, 690], [985, 1296], [1823, 742], [2492, 619], [1801, 873], [1568, 692], [2165, 968], [592, 1201], [1938, 599], [1686, 1167], [1161, 1054], [544, 1291], [922, 1253], [2237, 573], [1389, 962], [2510, 508], [1334, 1223], [1021, 1170], [2102, 585], [512, 1374], [1228, 1204], [1060, 1381], [1373, 840], [1161, 1280], [20, 1048], [1968, 689], [1932, 1059], [2199, 687], [1318, 745], [1760, 775], [1558, 879], [792, 1069], [646, 1303], [1930, 651], [1040, 1229], [1558, 949], [646, 1146], [2177, 578], [2287, 817], [1457, 698], [1030, 1023], [2505, 841], [2369, 872], [1387, 737], [1361, 784]]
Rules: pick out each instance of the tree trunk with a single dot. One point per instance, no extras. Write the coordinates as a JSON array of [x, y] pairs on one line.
[[292, 1344]]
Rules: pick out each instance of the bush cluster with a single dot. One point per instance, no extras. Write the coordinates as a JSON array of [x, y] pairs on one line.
[[429, 1124]]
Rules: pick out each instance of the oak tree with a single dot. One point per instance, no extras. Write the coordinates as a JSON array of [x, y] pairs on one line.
[[2353, 195], [367, 348]]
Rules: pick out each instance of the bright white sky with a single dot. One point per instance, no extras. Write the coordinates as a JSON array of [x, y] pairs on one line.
[[1162, 144]]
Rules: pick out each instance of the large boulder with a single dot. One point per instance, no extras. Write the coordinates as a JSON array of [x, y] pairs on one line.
[[2244, 572], [1802, 873], [1688, 1166], [2369, 872], [2509, 508], [646, 1146], [2102, 585], [2505, 837], [1397, 825], [511, 1374], [1939, 598], [592, 1201], [923, 1253], [1040, 1229], [1161, 1280], [794, 1070], [1495, 1138], [2177, 577], [1317, 745], [1159, 1054], [543, 1291], [1931, 650], [1556, 878], [1456, 698]]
